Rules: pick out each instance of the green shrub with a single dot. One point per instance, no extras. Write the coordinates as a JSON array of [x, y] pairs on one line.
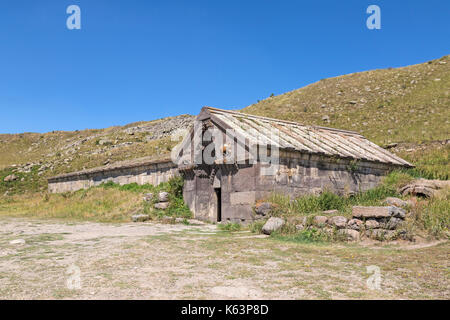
[[305, 236], [176, 186], [434, 215], [230, 226], [256, 227], [177, 207]]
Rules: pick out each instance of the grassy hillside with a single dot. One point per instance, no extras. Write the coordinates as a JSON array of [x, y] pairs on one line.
[[407, 108], [410, 104], [32, 157]]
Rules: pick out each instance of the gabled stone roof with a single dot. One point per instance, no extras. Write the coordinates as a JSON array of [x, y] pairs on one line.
[[302, 138]]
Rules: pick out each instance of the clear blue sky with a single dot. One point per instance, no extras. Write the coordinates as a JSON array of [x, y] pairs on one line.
[[142, 60]]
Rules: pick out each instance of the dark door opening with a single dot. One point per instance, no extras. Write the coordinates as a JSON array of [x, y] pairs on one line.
[[219, 204]]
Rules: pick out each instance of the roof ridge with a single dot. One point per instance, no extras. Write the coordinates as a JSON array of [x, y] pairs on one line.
[[115, 165], [282, 121]]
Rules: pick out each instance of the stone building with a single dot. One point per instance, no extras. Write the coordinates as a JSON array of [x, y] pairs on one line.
[[230, 160], [140, 171], [275, 156]]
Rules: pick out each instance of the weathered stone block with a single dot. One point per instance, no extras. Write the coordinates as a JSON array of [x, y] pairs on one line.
[[163, 196], [372, 224], [245, 197], [354, 224], [371, 212]]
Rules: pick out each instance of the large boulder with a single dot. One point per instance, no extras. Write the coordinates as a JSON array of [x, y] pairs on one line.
[[339, 222], [273, 224], [163, 196]]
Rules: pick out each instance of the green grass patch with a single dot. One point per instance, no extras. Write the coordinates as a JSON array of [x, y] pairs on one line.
[[230, 226]]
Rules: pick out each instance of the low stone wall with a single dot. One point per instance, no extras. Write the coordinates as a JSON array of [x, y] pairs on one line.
[[141, 173], [377, 223]]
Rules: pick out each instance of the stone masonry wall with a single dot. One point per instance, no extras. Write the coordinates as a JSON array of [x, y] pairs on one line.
[[151, 173], [298, 174]]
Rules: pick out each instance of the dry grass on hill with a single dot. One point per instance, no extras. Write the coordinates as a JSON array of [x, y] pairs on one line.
[[409, 104]]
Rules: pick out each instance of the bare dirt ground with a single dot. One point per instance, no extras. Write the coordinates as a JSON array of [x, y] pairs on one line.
[[39, 258]]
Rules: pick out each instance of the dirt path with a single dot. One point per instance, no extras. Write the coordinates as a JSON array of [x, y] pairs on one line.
[[42, 259]]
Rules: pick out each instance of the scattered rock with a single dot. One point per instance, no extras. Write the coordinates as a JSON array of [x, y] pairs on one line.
[[272, 225], [148, 197], [140, 217], [263, 208], [354, 224], [391, 145], [320, 221], [326, 118], [352, 235], [105, 142], [339, 222], [11, 177], [163, 196], [161, 205]]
